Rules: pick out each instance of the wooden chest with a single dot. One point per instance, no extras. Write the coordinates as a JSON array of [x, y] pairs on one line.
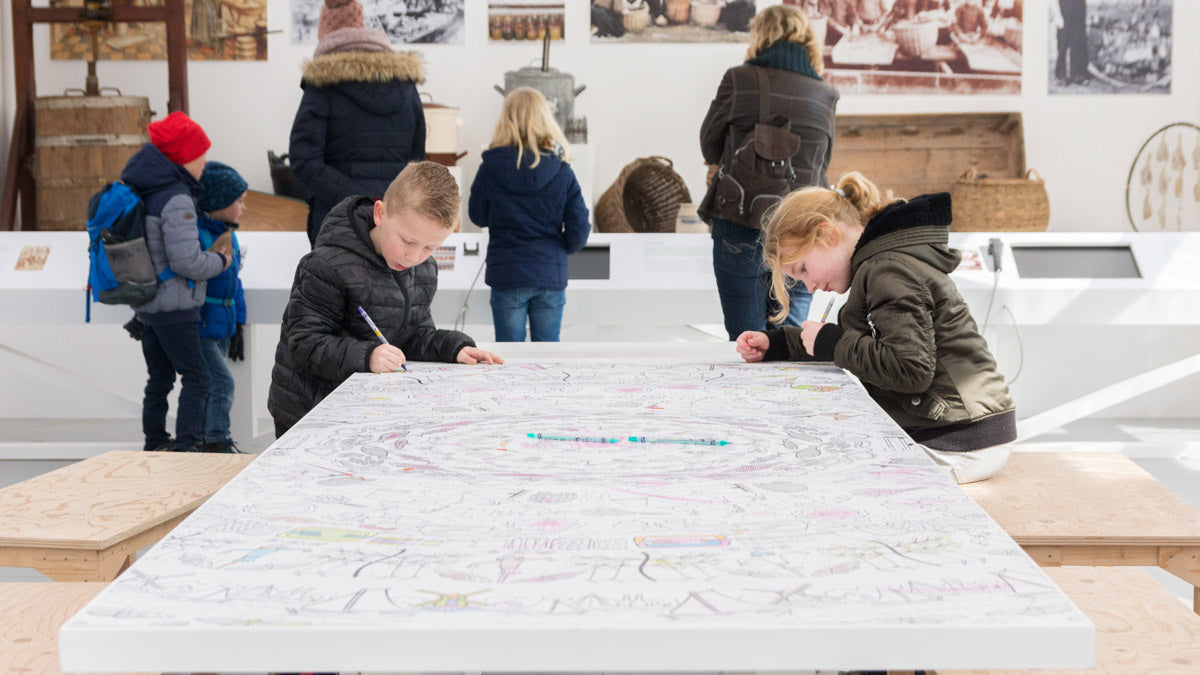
[[915, 154]]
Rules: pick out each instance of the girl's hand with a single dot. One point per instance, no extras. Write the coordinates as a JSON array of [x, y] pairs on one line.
[[386, 358], [752, 346], [808, 334], [474, 355]]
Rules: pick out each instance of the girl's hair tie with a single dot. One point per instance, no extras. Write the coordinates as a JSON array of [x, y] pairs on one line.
[[839, 191]]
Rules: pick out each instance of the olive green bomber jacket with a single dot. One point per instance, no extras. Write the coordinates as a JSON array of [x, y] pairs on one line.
[[906, 333]]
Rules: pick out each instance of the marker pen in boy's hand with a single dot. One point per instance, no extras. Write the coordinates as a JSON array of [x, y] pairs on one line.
[[378, 334], [824, 316]]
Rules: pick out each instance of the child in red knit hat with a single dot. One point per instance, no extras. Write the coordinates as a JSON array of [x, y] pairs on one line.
[[166, 174]]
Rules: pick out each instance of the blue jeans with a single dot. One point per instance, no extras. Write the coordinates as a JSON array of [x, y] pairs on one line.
[[543, 308], [744, 283], [169, 350], [220, 389]]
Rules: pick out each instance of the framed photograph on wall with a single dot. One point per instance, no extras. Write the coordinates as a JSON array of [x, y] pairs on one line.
[[530, 20], [405, 21], [1110, 46], [217, 30], [671, 20], [920, 46]]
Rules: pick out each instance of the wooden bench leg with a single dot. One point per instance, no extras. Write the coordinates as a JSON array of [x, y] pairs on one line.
[[1183, 562]]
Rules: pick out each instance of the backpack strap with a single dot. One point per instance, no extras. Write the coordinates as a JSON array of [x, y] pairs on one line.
[[764, 93]]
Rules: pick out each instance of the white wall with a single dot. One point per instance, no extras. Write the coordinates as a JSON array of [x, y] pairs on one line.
[[650, 99]]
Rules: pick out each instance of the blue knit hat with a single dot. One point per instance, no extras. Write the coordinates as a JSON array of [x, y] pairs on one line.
[[222, 186]]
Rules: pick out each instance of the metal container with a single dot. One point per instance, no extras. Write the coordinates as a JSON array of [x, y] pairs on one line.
[[558, 87]]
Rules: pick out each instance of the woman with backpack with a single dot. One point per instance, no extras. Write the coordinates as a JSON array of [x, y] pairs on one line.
[[778, 87]]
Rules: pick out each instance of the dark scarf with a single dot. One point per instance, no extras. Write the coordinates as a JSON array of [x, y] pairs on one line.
[[788, 56]]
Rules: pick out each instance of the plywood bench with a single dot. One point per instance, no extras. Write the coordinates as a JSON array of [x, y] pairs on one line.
[[30, 616], [1140, 627], [87, 521], [1096, 509]]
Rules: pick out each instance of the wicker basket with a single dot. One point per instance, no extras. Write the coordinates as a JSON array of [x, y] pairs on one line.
[[645, 197], [636, 19], [677, 10], [705, 13], [916, 37], [982, 204]]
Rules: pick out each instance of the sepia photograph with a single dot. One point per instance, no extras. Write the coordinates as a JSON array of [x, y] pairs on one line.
[[920, 46], [671, 20], [404, 21], [1110, 46], [526, 20], [217, 30]]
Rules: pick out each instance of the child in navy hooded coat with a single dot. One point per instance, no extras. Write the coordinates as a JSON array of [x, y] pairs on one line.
[[526, 194]]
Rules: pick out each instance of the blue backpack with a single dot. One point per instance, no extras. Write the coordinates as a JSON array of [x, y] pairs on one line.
[[120, 271]]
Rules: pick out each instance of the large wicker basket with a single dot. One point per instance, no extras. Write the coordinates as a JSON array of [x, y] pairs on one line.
[[916, 37], [983, 204], [645, 197]]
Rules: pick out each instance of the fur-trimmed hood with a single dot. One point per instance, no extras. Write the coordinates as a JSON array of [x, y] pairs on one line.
[[337, 68]]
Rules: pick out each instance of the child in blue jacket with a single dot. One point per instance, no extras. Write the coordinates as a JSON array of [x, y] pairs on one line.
[[526, 194], [224, 310]]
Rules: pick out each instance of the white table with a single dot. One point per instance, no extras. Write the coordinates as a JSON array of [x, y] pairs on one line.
[[410, 523]]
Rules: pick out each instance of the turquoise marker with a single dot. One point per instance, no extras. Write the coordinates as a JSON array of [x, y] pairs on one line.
[[378, 334], [581, 439], [679, 441]]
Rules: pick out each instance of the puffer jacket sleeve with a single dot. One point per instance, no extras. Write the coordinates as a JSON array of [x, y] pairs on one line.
[[307, 150], [181, 241], [575, 216], [422, 340], [901, 356], [716, 122], [316, 341], [477, 205]]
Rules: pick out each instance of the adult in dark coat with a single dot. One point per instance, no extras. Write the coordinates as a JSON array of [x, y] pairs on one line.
[[360, 120], [342, 273], [783, 46]]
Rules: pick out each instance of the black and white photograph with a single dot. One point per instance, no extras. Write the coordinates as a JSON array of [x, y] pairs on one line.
[[1110, 46], [404, 21], [671, 20], [920, 46]]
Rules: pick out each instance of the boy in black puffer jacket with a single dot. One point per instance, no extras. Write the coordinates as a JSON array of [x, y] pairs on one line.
[[373, 255]]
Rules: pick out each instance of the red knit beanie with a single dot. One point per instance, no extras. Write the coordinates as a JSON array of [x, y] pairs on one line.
[[337, 14], [179, 138]]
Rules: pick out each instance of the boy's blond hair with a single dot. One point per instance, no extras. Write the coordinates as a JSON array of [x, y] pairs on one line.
[[426, 188], [812, 216], [788, 24], [527, 123]]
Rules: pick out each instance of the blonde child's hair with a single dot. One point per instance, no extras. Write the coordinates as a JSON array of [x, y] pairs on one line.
[[527, 123], [426, 188], [816, 216], [789, 24]]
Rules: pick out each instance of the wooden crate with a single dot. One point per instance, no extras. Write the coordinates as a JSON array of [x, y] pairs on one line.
[[915, 154]]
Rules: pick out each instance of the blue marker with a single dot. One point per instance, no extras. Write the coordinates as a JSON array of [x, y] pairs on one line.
[[378, 334], [679, 441], [580, 439]]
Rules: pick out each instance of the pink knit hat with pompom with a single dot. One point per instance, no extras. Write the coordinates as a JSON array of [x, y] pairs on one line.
[[337, 14], [341, 29]]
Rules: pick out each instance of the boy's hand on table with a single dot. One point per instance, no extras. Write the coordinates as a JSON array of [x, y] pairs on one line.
[[752, 346], [386, 358], [474, 355]]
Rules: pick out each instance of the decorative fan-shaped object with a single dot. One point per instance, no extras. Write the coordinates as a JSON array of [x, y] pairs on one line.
[[1162, 193]]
